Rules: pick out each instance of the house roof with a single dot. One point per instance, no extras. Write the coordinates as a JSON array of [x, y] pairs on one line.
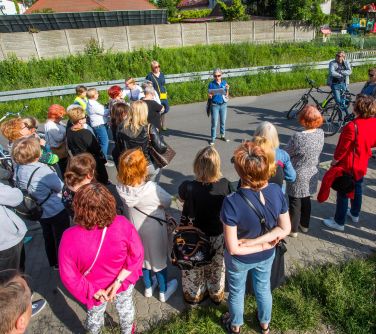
[[64, 6], [192, 3]]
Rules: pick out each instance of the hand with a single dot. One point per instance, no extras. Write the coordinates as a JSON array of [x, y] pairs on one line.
[[210, 96], [101, 295], [112, 289], [246, 242], [274, 242], [42, 142], [227, 86], [266, 246]]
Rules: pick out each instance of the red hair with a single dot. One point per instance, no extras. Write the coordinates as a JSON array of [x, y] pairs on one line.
[[56, 111], [133, 167], [114, 91], [310, 117]]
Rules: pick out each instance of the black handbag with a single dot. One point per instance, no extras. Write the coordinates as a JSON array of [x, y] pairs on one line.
[[346, 183], [208, 106], [277, 277]]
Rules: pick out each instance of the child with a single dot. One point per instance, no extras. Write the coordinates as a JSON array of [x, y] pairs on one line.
[[81, 98], [98, 119]]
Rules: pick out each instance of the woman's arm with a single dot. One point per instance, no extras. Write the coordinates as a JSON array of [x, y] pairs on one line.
[[345, 143], [279, 232]]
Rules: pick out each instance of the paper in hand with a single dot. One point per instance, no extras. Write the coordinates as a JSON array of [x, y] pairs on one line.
[[217, 91]]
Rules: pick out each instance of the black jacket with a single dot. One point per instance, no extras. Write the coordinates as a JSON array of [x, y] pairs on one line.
[[126, 139]]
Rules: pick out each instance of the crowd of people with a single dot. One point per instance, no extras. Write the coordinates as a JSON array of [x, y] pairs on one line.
[[119, 225]]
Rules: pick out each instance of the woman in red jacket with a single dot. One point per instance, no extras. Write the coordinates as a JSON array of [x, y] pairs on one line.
[[358, 137]]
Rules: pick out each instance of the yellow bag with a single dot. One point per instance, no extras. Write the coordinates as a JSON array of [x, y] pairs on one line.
[[163, 96]]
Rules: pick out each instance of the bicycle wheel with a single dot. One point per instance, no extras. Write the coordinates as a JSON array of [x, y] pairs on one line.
[[332, 121], [296, 108]]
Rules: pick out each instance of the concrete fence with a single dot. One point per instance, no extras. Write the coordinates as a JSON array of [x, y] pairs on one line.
[[57, 43]]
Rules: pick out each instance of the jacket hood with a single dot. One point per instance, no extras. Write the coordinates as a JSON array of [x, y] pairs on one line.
[[133, 195]]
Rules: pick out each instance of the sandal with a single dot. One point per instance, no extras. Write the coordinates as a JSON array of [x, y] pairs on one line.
[[226, 322], [266, 330]]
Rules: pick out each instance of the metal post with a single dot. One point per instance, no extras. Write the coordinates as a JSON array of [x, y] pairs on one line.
[[207, 33], [230, 32], [181, 34], [253, 31], [128, 38]]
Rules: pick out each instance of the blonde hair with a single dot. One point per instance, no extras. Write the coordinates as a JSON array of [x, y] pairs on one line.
[[267, 146], [207, 165], [153, 64], [75, 114], [91, 93], [130, 80], [269, 131], [26, 150], [137, 116]]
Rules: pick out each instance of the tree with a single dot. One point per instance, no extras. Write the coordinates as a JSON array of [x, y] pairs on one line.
[[234, 12], [170, 5]]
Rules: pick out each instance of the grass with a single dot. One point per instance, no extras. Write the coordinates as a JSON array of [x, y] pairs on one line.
[[196, 91], [342, 296]]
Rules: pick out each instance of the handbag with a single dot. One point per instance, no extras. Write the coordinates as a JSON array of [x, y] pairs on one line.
[[208, 107], [160, 159], [346, 182], [277, 276], [87, 272]]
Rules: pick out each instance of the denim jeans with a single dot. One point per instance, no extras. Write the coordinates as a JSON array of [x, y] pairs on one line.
[[337, 89], [218, 111], [102, 135], [161, 278], [236, 278], [343, 202]]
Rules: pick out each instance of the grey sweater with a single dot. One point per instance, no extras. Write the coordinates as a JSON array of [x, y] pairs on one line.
[[12, 227]]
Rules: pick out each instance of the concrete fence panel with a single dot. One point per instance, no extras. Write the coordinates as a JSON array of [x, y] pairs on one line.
[[304, 33], [194, 34], [113, 38], [141, 37], [168, 35], [19, 43], [265, 31], [51, 44], [284, 32], [219, 32], [241, 32], [78, 39]]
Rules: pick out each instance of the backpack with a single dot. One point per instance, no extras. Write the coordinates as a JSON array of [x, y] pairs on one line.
[[29, 208]]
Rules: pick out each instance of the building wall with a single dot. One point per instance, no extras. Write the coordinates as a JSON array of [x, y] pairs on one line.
[[56, 43]]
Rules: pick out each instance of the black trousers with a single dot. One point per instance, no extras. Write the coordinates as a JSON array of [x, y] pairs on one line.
[[53, 229], [300, 212], [10, 258]]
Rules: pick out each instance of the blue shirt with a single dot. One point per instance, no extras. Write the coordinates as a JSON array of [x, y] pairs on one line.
[[236, 212], [217, 98]]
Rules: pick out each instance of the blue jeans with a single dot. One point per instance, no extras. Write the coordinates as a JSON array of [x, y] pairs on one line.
[[102, 136], [338, 96], [343, 202], [236, 278], [161, 278], [218, 110]]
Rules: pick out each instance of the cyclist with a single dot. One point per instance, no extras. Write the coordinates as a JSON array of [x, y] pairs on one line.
[[370, 86], [338, 79]]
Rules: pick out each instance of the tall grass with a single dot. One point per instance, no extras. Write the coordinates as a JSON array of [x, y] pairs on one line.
[[195, 91]]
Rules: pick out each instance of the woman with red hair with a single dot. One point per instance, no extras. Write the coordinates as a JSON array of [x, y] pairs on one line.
[[116, 95], [304, 148], [55, 132]]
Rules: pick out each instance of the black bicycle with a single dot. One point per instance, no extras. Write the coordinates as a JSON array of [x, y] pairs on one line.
[[334, 118], [303, 101]]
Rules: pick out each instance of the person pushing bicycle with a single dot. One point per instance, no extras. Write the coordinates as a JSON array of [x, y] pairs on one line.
[[338, 79]]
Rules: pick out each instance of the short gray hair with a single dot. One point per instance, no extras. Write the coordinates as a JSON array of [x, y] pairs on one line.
[[217, 70], [149, 90], [146, 83]]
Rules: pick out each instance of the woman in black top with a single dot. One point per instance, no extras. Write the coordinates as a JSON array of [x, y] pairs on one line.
[[81, 140], [203, 199], [136, 132]]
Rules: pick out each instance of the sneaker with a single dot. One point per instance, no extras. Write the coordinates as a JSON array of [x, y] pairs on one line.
[[164, 128], [293, 234], [109, 163], [225, 139], [149, 291], [329, 222], [303, 229], [171, 288], [211, 143], [37, 306], [353, 218]]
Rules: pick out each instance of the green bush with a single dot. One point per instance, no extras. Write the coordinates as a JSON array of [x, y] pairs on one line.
[[189, 14]]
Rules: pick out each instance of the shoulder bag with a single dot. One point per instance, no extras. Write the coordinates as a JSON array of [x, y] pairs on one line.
[[160, 159], [346, 182], [87, 272], [277, 276]]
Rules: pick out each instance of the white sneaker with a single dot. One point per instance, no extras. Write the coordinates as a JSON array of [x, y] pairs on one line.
[[171, 288], [353, 218], [293, 234], [303, 229], [109, 163], [149, 291], [329, 222]]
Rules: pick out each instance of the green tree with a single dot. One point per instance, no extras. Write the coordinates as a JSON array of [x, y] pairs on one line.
[[170, 5], [17, 6], [234, 12]]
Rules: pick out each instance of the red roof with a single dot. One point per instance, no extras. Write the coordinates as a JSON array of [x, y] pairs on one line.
[[64, 6], [193, 3]]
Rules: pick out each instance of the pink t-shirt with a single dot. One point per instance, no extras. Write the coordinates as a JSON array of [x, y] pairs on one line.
[[121, 248]]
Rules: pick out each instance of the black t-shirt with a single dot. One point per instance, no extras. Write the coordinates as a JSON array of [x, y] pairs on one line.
[[206, 200], [154, 116]]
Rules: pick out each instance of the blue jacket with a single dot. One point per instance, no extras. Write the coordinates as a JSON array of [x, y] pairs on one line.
[[288, 169], [218, 98]]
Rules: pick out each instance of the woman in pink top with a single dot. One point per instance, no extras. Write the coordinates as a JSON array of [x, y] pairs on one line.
[[101, 258]]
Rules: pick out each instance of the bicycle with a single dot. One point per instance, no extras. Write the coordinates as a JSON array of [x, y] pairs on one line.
[[303, 101], [333, 118]]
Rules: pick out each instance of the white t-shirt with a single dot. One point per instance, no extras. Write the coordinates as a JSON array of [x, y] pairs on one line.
[[97, 113], [135, 94], [55, 133]]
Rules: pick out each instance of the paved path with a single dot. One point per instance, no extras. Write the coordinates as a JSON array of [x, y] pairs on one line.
[[189, 132]]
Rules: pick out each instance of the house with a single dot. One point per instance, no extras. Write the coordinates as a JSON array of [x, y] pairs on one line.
[[7, 7], [64, 6]]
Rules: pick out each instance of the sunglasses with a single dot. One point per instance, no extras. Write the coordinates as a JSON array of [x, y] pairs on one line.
[[217, 76], [157, 66], [371, 75]]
